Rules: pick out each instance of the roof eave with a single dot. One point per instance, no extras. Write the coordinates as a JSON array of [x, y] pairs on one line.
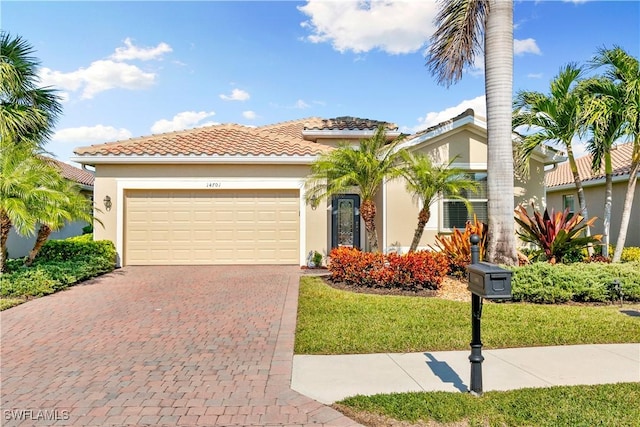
[[88, 159], [445, 128], [589, 183]]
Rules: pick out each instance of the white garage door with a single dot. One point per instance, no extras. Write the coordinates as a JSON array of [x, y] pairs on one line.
[[211, 227]]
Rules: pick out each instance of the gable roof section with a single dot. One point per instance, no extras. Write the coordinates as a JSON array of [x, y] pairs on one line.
[[283, 141], [219, 140], [72, 173], [620, 162]]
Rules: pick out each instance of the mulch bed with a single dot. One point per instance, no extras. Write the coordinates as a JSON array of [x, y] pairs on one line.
[[452, 289]]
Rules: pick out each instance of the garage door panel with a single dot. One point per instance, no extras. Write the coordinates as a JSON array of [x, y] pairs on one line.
[[205, 227]]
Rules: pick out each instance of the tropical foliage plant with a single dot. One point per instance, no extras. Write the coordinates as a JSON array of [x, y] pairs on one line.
[[457, 245], [426, 182], [27, 112], [362, 169], [555, 234], [26, 186], [554, 118], [622, 70]]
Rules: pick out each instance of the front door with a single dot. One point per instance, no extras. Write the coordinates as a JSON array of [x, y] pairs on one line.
[[345, 221]]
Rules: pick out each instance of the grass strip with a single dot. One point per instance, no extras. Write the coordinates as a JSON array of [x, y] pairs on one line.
[[332, 321], [603, 405]]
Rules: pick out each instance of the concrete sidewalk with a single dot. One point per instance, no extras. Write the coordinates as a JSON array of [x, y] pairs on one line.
[[328, 379]]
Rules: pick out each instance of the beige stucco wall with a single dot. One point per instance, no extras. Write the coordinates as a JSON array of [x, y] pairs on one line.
[[594, 196], [402, 211], [107, 177]]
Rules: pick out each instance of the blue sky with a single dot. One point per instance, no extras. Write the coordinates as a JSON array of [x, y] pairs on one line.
[[128, 69]]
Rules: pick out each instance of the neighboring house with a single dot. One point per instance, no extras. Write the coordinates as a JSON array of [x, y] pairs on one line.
[[20, 246], [232, 194], [561, 192]]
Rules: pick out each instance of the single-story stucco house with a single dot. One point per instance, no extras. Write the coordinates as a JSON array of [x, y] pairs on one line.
[[232, 194], [20, 246], [561, 192]]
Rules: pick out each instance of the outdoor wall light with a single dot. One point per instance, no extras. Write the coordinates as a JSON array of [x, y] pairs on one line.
[[107, 203], [314, 203]]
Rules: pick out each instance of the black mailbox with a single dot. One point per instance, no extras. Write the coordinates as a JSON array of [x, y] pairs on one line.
[[489, 281]]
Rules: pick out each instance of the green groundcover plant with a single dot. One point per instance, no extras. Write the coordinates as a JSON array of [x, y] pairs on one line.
[[60, 264]]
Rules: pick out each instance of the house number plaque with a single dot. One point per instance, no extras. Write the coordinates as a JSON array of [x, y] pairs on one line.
[[214, 184]]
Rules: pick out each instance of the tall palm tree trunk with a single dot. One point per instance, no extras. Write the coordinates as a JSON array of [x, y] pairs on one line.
[[582, 201], [498, 51], [43, 234], [628, 204], [423, 219], [368, 214], [5, 227], [608, 200]]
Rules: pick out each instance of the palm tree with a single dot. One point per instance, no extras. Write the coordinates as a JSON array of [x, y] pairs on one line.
[[25, 183], [461, 24], [622, 70], [554, 118], [603, 114], [27, 111], [426, 182], [363, 168], [68, 204]]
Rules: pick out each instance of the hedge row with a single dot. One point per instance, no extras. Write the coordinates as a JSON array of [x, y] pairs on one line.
[[60, 264], [544, 283], [412, 271]]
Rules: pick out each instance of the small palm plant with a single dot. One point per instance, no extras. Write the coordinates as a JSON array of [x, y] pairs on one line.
[[555, 234]]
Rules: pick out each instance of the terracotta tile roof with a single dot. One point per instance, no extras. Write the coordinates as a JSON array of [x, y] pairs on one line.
[[72, 173], [283, 139], [347, 123], [620, 161]]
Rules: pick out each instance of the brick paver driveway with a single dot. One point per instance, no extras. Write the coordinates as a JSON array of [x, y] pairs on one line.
[[176, 346]]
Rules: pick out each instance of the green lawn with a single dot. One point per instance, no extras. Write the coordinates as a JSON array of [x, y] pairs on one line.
[[615, 405], [332, 321]]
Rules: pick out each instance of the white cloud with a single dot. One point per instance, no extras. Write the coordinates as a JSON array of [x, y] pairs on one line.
[[91, 134], [249, 114], [301, 105], [184, 120], [131, 52], [99, 76], [478, 105], [535, 75], [236, 95], [392, 26], [520, 47]]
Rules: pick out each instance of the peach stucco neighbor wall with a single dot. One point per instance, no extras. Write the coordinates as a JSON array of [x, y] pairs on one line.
[[595, 206]]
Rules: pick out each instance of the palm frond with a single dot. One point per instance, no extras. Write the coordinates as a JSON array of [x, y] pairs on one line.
[[457, 39]]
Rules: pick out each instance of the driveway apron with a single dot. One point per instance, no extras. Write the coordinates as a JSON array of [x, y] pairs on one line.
[[168, 345]]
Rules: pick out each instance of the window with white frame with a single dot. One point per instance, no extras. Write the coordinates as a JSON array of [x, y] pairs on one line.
[[568, 201], [455, 212]]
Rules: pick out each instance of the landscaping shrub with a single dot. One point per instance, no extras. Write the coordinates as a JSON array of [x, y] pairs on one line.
[[458, 247], [630, 254], [412, 271], [76, 247], [585, 282], [64, 263]]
